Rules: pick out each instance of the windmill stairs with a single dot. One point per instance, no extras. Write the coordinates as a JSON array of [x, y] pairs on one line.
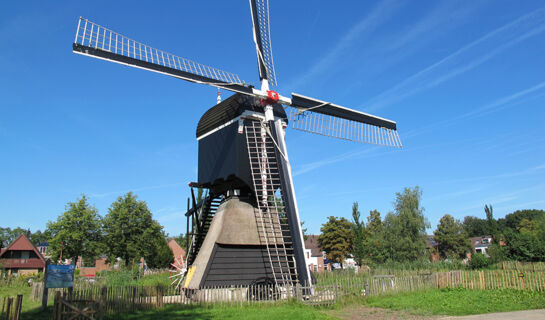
[[202, 218]]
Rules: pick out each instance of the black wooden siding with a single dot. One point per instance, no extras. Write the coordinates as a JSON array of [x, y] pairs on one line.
[[237, 265]]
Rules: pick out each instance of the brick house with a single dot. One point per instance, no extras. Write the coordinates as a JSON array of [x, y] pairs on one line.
[[314, 255], [431, 248], [21, 257]]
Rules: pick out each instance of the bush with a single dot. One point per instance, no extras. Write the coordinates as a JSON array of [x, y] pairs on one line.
[[497, 253], [478, 261]]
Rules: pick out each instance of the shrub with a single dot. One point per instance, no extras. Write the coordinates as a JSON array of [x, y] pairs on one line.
[[478, 261]]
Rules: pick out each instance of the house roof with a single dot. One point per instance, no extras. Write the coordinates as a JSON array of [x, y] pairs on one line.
[[177, 250], [312, 244], [482, 241], [23, 244], [430, 242]]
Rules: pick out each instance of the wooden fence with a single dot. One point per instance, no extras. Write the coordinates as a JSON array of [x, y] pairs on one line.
[[113, 300], [11, 310]]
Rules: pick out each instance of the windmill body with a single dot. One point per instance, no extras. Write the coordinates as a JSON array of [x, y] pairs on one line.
[[246, 228]]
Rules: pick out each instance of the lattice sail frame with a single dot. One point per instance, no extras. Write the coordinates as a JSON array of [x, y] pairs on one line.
[[262, 7], [92, 35], [343, 129]]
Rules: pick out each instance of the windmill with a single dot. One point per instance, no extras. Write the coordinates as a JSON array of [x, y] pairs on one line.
[[245, 229]]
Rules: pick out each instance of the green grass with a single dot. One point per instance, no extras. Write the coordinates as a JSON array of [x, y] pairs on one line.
[[31, 309], [257, 312], [126, 277], [460, 301]]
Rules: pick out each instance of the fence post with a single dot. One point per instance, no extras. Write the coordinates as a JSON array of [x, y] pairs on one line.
[[3, 306], [57, 307], [8, 308], [45, 290], [159, 298], [102, 302], [336, 293], [18, 307], [367, 293], [100, 308]]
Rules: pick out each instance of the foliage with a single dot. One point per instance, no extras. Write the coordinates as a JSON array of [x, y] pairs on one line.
[[181, 240], [8, 235], [358, 230], [375, 250], [497, 253], [525, 241], [452, 240], [38, 237], [336, 238], [304, 231], [131, 232], [492, 224], [406, 227], [478, 261], [459, 301], [513, 220], [475, 227], [78, 231], [163, 257]]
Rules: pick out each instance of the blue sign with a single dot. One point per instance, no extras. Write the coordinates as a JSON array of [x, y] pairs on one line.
[[59, 276]]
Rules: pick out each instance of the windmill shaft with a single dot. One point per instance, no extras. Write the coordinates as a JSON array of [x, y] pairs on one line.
[[292, 211]]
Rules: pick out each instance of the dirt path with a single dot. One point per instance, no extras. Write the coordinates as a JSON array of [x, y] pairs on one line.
[[363, 312], [521, 315]]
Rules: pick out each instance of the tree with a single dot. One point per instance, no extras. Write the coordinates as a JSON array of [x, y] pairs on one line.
[[130, 231], [304, 231], [163, 256], [39, 237], [513, 220], [492, 224], [181, 240], [78, 231], [336, 238], [527, 242], [8, 235], [475, 227], [406, 227], [375, 249], [358, 229], [452, 240]]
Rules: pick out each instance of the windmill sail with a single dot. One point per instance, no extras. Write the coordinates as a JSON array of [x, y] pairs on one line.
[[262, 38], [324, 118], [102, 43]]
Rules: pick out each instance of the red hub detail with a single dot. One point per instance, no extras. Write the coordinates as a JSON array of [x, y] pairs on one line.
[[272, 98]]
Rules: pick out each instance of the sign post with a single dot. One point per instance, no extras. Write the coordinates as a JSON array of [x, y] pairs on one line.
[[57, 276], [45, 291]]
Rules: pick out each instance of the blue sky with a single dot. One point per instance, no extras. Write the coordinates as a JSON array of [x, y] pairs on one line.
[[465, 82]]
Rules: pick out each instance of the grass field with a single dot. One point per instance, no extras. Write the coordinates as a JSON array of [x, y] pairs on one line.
[[459, 301], [257, 312], [456, 301], [31, 309]]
